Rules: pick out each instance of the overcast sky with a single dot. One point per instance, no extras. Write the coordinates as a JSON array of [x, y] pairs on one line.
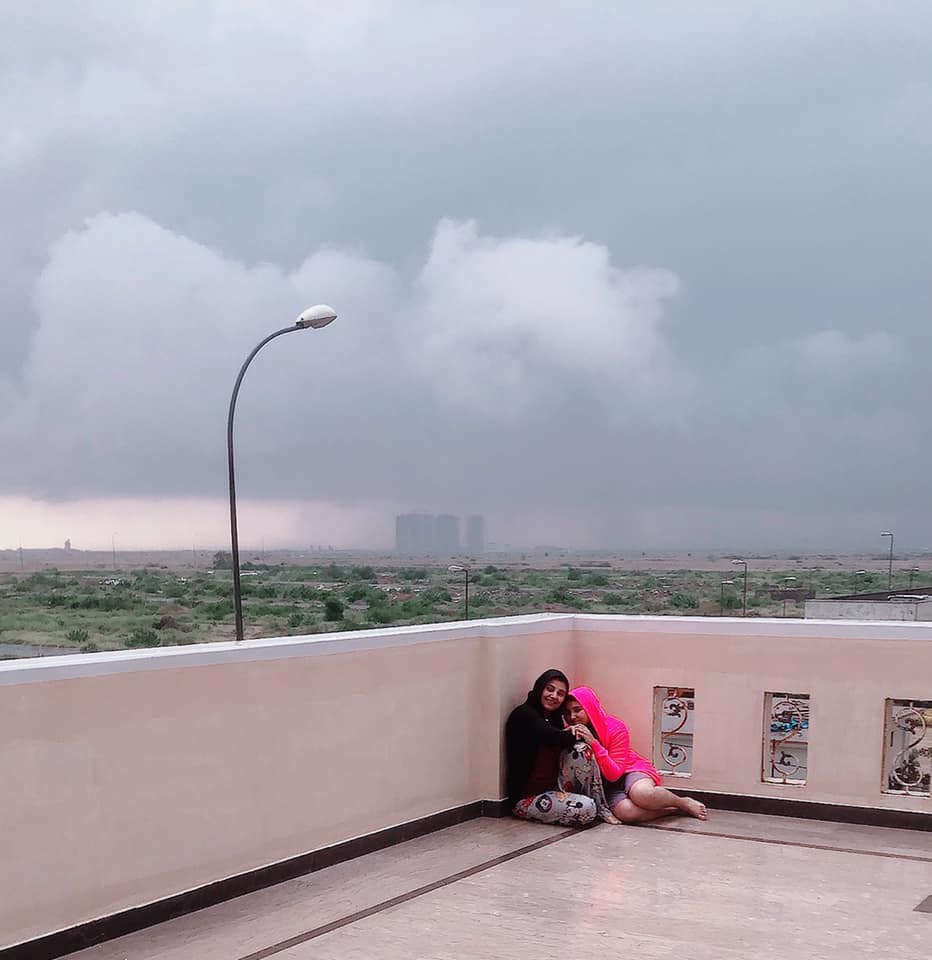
[[614, 275]]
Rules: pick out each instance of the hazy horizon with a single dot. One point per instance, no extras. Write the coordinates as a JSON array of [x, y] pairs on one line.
[[249, 549], [606, 275]]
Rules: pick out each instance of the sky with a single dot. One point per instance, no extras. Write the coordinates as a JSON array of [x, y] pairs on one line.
[[626, 276]]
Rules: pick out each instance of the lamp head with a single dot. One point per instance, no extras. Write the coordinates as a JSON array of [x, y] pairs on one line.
[[317, 316]]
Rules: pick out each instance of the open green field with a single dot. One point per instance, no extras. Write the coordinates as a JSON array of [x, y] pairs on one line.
[[109, 610]]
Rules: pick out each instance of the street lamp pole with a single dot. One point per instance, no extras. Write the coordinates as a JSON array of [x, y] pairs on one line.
[[735, 562], [888, 533], [462, 568], [721, 601], [313, 317], [786, 583], [912, 572]]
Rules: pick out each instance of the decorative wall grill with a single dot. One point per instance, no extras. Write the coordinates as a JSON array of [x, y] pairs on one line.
[[674, 709], [908, 747], [786, 738]]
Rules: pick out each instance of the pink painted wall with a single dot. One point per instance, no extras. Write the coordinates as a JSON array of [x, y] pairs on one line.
[[120, 788], [133, 776], [847, 669]]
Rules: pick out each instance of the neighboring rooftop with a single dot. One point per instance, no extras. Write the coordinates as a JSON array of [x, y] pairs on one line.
[[909, 605], [917, 592]]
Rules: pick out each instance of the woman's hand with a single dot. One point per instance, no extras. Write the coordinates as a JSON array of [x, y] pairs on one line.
[[583, 733]]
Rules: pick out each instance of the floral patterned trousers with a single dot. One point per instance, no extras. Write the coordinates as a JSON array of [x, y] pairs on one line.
[[580, 797]]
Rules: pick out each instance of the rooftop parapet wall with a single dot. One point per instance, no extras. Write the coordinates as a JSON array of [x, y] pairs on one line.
[[130, 777], [133, 776], [848, 669]]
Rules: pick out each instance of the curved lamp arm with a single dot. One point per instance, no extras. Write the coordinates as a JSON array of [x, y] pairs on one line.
[[234, 536], [312, 318]]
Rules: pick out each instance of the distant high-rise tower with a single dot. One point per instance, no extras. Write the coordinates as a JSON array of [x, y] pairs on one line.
[[414, 533], [475, 534], [67, 544], [447, 535]]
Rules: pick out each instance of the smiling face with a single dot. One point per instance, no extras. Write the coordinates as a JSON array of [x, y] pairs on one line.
[[553, 695], [574, 713]]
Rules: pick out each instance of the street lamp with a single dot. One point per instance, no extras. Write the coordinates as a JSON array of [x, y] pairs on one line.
[[887, 533], [735, 562], [314, 317], [912, 572], [786, 582], [462, 568], [721, 601]]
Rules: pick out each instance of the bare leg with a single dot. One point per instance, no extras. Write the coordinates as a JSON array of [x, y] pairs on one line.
[[649, 797], [627, 812]]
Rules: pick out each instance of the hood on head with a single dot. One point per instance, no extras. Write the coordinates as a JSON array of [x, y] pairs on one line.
[[590, 703]]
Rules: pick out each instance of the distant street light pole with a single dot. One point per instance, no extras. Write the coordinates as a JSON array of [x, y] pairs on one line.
[[888, 533], [721, 601], [313, 317], [734, 562], [912, 572], [462, 568], [113, 548], [786, 583], [858, 574]]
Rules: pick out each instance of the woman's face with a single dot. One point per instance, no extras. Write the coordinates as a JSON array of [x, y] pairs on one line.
[[553, 695], [574, 713]]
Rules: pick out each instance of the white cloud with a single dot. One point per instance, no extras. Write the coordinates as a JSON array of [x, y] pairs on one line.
[[141, 333], [502, 322]]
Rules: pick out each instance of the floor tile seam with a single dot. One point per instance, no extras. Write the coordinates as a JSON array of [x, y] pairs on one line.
[[301, 888], [793, 843], [421, 891]]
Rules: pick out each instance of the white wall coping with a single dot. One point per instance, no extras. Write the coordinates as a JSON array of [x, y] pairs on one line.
[[75, 666], [757, 627]]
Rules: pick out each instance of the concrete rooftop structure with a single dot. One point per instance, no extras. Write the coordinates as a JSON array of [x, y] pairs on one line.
[[896, 605], [322, 796]]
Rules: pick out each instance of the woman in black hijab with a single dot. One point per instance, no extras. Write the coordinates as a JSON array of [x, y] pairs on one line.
[[542, 755]]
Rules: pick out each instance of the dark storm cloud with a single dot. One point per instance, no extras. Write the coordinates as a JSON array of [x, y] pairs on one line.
[[476, 190]]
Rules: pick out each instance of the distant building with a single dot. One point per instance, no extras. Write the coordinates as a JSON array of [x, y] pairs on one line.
[[414, 533], [67, 544], [915, 604], [437, 536], [446, 535], [475, 534]]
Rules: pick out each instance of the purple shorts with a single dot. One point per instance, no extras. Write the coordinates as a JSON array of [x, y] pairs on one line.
[[619, 789]]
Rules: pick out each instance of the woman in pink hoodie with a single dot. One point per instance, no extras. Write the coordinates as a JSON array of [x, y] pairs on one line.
[[632, 785]]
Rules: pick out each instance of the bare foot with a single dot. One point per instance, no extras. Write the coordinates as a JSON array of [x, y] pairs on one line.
[[694, 808]]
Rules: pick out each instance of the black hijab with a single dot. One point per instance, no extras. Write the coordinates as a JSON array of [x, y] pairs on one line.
[[533, 697]]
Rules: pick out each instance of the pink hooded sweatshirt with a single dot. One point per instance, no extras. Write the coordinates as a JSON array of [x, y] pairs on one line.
[[612, 749]]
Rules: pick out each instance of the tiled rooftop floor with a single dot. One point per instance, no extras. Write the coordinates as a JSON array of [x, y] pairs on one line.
[[739, 885]]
